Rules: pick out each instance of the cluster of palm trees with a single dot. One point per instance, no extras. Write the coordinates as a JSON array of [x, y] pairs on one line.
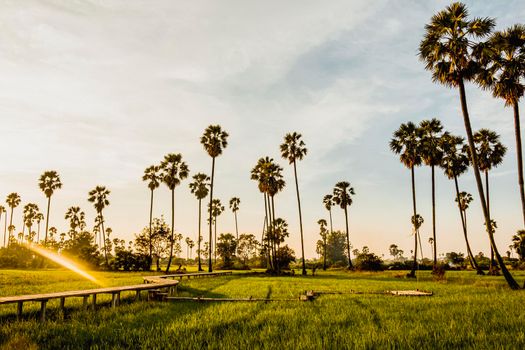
[[458, 49]]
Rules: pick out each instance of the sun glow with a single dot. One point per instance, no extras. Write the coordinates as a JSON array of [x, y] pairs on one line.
[[63, 261]]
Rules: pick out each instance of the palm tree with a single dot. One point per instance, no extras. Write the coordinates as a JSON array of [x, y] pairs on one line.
[[76, 218], [503, 60], [99, 197], [406, 143], [39, 217], [431, 154], [293, 149], [322, 227], [30, 212], [13, 201], [234, 206], [342, 197], [174, 170], [189, 245], [3, 211], [447, 50], [153, 176], [199, 187], [214, 141], [216, 209], [518, 244], [490, 152], [49, 182], [328, 203], [455, 163]]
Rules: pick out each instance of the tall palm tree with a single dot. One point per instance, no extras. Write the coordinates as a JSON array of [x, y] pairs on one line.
[[49, 182], [503, 62], [214, 141], [447, 50], [328, 203], [39, 217], [234, 206], [490, 152], [293, 149], [431, 154], [324, 235], [174, 170], [153, 176], [3, 211], [216, 209], [99, 197], [199, 187], [342, 196], [30, 212], [455, 162], [406, 143], [13, 201], [76, 218]]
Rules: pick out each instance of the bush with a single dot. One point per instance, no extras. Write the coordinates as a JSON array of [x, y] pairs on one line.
[[368, 262]]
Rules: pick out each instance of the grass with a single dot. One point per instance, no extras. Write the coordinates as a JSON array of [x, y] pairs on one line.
[[466, 311]]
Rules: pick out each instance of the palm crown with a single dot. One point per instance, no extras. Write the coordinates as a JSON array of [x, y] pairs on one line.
[[293, 147], [447, 44], [489, 149], [13, 200], [234, 204], [30, 212], [431, 151], [199, 186], [406, 143], [455, 160], [174, 170], [217, 207], [328, 201], [464, 200], [214, 140], [99, 197], [269, 175], [152, 174], [342, 194], [49, 182], [76, 217]]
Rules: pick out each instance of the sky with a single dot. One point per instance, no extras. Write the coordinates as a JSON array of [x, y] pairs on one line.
[[99, 90]]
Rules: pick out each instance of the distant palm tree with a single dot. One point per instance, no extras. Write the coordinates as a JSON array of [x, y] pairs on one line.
[[293, 149], [322, 227], [502, 58], [455, 163], [342, 197], [490, 152], [99, 197], [447, 50], [216, 209], [234, 206], [3, 211], [49, 182], [199, 187], [76, 218], [39, 217], [431, 154], [30, 212], [214, 141], [174, 170], [328, 203], [12, 200], [153, 176], [406, 143], [189, 246]]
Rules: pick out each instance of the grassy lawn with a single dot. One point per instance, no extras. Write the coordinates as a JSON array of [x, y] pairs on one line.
[[466, 311]]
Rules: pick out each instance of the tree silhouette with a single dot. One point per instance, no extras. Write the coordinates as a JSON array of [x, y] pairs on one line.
[[324, 235], [153, 176], [216, 209], [49, 182], [174, 170], [447, 50], [234, 206], [13, 201], [199, 187], [342, 196], [214, 141], [99, 197]]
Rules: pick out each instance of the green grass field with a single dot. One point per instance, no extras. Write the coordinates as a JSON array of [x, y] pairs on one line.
[[466, 311]]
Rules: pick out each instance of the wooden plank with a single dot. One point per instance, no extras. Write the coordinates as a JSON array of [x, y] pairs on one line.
[[202, 299]]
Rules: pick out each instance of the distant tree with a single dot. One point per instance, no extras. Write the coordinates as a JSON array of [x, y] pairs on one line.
[[153, 176], [234, 206], [285, 256], [189, 245], [328, 203], [395, 251], [30, 212], [324, 236], [247, 247], [199, 187], [3, 211], [82, 247], [216, 210], [13, 201], [226, 249], [367, 261], [77, 219], [455, 258], [99, 197], [160, 240], [174, 170], [518, 243], [342, 197], [214, 141], [39, 217], [49, 182], [293, 149]]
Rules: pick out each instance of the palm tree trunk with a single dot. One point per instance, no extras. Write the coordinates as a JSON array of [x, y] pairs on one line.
[[492, 262], [276, 258], [47, 217], [150, 242], [414, 265], [508, 276], [266, 220], [199, 239], [104, 239], [172, 229], [210, 269], [5, 219], [215, 240], [324, 253], [300, 216], [236, 227], [517, 131], [463, 215], [38, 233], [350, 267], [10, 225], [434, 252]]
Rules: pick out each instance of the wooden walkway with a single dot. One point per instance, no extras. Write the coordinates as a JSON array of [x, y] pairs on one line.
[[158, 287]]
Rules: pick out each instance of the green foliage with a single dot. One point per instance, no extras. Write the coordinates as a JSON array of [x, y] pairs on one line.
[[226, 248], [367, 261]]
